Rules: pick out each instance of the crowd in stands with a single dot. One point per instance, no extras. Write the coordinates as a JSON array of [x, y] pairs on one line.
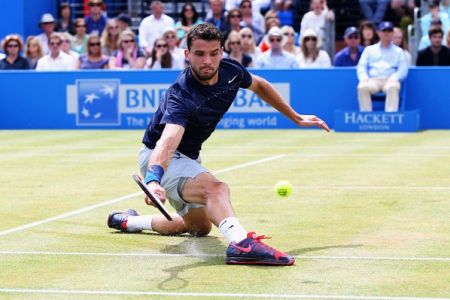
[[258, 34]]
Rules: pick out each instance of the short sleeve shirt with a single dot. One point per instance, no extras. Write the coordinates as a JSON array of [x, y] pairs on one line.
[[196, 107]]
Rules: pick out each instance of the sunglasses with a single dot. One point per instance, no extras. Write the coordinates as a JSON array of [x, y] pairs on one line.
[[161, 46], [82, 25], [127, 41], [307, 39], [353, 37], [235, 16], [235, 43], [94, 44], [12, 46], [272, 40], [246, 6], [188, 9], [170, 36], [95, 4], [289, 34], [54, 43], [65, 41], [246, 36], [113, 27]]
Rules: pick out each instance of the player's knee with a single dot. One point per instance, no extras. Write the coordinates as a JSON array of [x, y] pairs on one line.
[[200, 230], [216, 190]]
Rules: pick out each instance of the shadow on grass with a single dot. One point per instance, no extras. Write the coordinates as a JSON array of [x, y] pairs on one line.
[[301, 251]]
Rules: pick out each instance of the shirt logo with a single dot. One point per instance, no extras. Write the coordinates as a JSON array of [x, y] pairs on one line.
[[231, 80]]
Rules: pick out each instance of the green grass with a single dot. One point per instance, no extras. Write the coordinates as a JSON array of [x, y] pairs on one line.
[[355, 195]]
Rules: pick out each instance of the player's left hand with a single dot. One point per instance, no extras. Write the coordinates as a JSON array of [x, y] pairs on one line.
[[312, 120]]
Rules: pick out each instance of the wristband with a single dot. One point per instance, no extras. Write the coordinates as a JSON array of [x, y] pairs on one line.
[[154, 173]]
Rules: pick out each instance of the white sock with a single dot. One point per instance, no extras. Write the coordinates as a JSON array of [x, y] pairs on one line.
[[138, 223], [232, 230]]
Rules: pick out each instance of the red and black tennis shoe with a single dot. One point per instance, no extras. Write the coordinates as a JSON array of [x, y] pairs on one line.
[[252, 251], [119, 220]]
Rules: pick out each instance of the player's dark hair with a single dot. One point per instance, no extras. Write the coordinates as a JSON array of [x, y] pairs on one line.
[[206, 32]]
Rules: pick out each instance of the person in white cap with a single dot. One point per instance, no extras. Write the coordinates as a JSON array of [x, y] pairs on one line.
[[276, 57], [47, 25], [311, 56]]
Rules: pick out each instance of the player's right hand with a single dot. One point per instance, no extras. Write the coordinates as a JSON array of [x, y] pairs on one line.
[[158, 190]]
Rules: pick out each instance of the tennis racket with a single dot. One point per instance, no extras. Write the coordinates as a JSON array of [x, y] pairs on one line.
[[152, 196]]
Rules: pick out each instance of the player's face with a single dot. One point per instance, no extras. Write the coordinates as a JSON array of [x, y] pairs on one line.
[[204, 57]]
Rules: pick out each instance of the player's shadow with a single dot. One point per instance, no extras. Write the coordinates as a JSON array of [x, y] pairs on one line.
[[301, 251], [209, 250]]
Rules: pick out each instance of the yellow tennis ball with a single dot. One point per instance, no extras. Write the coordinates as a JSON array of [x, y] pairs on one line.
[[283, 189]]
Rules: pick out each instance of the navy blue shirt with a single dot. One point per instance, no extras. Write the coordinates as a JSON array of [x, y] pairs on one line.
[[196, 107], [343, 58]]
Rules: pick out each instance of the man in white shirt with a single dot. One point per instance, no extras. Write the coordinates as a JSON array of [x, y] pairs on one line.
[[153, 26], [56, 60], [47, 25], [316, 18]]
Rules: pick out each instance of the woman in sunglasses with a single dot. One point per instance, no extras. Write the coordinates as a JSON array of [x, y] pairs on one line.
[[12, 45], [110, 36], [128, 56], [189, 18], [93, 59], [311, 56], [289, 40], [33, 51], [249, 43], [233, 46], [160, 58], [80, 39]]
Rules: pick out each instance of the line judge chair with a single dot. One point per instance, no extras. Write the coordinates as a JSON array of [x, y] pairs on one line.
[[379, 99]]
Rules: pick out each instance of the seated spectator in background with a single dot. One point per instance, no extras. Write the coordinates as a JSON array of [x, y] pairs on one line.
[[271, 20], [373, 10], [81, 37], [234, 18], [189, 18], [47, 25], [152, 27], [400, 13], [436, 54], [93, 58], [399, 41], [276, 57], [66, 46], [65, 23], [447, 39], [434, 15], [12, 45], [128, 56], [289, 40], [218, 16], [249, 44], [350, 55], [425, 39], [33, 51], [96, 21], [445, 7], [178, 59], [110, 37], [235, 51], [250, 18], [56, 59], [311, 56], [285, 12], [160, 58], [124, 22], [368, 33], [381, 68], [316, 18]]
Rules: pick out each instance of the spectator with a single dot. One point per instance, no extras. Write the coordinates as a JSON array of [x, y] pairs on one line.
[[252, 19], [128, 56], [218, 16], [373, 10], [249, 43], [170, 35], [276, 57], [124, 22], [93, 59], [447, 39], [234, 18], [160, 58], [289, 40], [381, 68], [65, 23], [96, 21], [80, 39], [271, 20], [110, 36], [368, 34], [33, 51], [12, 45], [47, 25], [189, 18], [152, 27], [399, 41], [445, 7], [315, 19], [425, 39], [235, 51], [66, 46], [350, 55], [311, 56], [434, 15], [400, 13], [56, 60], [285, 12], [436, 54]]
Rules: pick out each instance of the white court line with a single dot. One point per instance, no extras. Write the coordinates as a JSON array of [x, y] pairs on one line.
[[115, 200], [206, 255], [351, 187], [193, 294]]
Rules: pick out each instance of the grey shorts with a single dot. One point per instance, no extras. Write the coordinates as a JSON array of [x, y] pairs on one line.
[[180, 168]]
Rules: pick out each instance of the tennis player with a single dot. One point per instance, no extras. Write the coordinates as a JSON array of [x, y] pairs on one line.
[[170, 160]]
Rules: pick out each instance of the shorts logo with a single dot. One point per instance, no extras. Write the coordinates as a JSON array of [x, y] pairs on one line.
[[98, 102]]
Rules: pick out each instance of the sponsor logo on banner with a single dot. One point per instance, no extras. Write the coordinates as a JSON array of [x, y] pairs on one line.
[[107, 102]]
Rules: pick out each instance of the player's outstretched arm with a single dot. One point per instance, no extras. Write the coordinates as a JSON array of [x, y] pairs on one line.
[[270, 95]]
